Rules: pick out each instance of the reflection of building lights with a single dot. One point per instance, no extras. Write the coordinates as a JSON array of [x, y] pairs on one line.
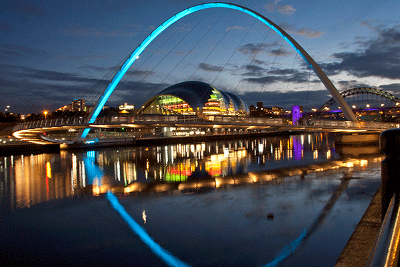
[[349, 164], [315, 154], [144, 216], [218, 182], [48, 170], [226, 152], [328, 154], [260, 148], [363, 162], [96, 190], [253, 177]]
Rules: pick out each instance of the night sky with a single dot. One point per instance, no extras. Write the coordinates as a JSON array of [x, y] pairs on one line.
[[52, 52]]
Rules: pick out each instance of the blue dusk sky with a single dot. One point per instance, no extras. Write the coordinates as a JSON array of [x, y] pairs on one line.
[[52, 52]]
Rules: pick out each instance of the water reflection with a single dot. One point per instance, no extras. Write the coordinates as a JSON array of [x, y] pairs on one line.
[[27, 180]]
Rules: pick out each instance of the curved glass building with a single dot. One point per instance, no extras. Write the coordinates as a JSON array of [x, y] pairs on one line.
[[195, 98]]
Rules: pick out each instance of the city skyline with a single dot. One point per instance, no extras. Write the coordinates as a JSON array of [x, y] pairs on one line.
[[52, 53]]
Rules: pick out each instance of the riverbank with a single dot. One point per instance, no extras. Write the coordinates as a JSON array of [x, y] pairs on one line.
[[359, 247]]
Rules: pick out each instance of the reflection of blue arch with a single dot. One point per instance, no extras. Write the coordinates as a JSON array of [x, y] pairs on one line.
[[118, 76]]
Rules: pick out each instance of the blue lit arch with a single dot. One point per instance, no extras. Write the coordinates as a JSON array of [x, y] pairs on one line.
[[118, 76]]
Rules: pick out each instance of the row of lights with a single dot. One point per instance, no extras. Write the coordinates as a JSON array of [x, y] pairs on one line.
[[354, 106]]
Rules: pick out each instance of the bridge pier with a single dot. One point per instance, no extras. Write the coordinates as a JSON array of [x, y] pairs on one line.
[[357, 138]]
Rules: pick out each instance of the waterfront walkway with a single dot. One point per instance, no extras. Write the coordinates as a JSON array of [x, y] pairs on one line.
[[359, 247]]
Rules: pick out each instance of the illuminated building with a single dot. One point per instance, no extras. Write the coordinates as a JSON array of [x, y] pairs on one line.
[[126, 108], [195, 98], [78, 105]]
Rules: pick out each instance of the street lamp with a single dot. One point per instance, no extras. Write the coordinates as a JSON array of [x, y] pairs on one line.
[[367, 105], [354, 106], [45, 114]]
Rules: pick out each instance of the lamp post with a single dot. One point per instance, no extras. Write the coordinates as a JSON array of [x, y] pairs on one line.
[[45, 114]]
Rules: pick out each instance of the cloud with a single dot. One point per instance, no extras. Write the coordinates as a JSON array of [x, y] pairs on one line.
[[139, 73], [261, 76], [251, 49], [93, 68], [283, 9], [281, 52], [393, 88], [286, 100], [27, 8], [12, 50], [258, 62], [253, 70], [376, 57], [28, 89], [308, 33], [210, 67], [102, 32]]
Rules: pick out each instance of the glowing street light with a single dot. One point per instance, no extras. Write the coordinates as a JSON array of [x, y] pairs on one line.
[[45, 113], [354, 106], [367, 105], [382, 105]]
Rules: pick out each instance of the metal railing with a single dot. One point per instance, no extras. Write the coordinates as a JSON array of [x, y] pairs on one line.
[[207, 120], [386, 248]]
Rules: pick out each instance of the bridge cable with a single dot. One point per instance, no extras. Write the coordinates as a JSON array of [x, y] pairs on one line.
[[151, 93], [149, 72], [287, 86], [188, 52], [226, 63], [94, 87], [273, 63], [254, 56], [212, 50], [308, 85]]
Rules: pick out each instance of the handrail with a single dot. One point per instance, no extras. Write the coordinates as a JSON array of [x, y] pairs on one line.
[[188, 119], [386, 249]]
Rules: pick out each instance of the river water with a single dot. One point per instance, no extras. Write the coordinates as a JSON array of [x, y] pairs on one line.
[[278, 201]]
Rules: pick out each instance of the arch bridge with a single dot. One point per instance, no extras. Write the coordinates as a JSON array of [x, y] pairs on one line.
[[91, 120], [136, 53], [362, 90]]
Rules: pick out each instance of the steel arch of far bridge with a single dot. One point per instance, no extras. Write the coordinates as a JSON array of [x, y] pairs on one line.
[[118, 76], [361, 90]]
